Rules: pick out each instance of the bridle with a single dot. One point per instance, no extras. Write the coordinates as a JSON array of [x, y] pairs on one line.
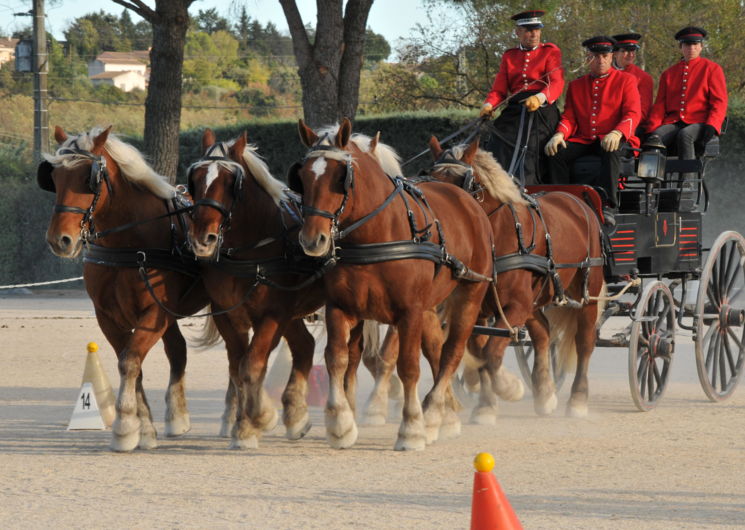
[[98, 175], [218, 154], [469, 184]]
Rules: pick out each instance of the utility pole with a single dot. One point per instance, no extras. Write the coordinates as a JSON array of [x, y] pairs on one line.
[[41, 68]]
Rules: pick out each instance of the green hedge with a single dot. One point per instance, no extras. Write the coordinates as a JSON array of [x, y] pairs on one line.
[[25, 210]]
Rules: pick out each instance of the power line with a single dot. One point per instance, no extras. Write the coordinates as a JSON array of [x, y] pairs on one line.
[[223, 107]]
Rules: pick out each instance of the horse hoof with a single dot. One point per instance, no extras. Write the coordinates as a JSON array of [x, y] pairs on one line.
[[125, 443], [178, 426], [299, 429], [147, 442], [484, 416], [546, 407], [374, 419], [431, 434], [411, 443], [450, 430], [576, 411], [252, 442], [344, 441]]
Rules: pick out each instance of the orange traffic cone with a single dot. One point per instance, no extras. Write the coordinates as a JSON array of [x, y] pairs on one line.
[[490, 508]]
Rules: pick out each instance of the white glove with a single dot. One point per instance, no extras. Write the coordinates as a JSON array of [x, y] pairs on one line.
[[552, 147], [611, 141], [486, 110]]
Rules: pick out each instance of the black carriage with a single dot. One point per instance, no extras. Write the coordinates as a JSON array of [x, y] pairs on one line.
[[661, 276]]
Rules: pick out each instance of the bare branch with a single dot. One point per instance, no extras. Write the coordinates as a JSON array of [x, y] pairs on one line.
[[140, 8]]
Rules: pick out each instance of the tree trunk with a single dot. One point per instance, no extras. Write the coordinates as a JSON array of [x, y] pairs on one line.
[[170, 21], [329, 68]]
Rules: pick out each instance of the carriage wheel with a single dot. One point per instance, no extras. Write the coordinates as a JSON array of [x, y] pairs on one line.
[[525, 360], [651, 345], [720, 317]]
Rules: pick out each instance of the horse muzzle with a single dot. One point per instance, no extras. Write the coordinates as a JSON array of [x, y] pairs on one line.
[[316, 245], [204, 246], [65, 245]]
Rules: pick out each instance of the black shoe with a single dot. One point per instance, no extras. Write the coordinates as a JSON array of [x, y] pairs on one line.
[[610, 217]]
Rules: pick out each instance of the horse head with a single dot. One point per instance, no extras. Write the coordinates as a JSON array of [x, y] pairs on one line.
[[230, 181], [327, 178], [80, 174], [215, 184], [475, 170]]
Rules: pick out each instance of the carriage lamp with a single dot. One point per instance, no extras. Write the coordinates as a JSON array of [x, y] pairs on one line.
[[652, 159]]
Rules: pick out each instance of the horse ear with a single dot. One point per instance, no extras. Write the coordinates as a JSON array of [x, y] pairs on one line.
[[470, 153], [60, 135], [374, 142], [307, 136], [208, 139], [345, 132], [100, 140], [434, 147], [240, 144]]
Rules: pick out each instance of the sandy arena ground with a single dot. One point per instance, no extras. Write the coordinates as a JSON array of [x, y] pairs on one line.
[[680, 466]]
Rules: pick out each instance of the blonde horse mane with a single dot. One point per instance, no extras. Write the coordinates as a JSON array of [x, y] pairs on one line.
[[131, 162], [492, 176], [384, 154]]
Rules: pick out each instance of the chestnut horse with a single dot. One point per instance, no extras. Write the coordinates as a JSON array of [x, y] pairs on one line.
[[106, 194], [549, 255], [401, 251], [244, 222]]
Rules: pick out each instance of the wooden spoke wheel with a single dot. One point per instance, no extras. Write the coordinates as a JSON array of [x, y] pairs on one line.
[[525, 359], [651, 345], [720, 317]]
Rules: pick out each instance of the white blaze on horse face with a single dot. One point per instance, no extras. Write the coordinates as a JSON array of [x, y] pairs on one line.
[[212, 172], [319, 166]]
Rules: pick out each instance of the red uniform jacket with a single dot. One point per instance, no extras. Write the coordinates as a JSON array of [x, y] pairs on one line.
[[691, 92], [597, 105], [538, 69], [646, 89]]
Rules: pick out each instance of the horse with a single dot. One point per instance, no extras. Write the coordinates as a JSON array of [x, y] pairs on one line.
[[398, 251], [551, 284], [111, 202], [245, 223]]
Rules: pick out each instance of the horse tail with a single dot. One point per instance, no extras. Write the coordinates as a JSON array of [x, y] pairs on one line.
[[370, 344], [562, 322], [208, 336]]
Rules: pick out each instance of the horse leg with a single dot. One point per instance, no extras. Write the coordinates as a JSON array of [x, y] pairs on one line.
[[294, 404], [464, 304], [376, 410], [411, 435], [234, 331], [544, 390], [487, 409], [341, 429], [133, 424], [355, 356], [585, 342], [256, 411], [177, 413]]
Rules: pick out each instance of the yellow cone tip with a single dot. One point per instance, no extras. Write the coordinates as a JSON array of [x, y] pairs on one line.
[[483, 462], [92, 347]]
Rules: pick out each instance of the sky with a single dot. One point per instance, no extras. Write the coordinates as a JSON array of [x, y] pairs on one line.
[[391, 18]]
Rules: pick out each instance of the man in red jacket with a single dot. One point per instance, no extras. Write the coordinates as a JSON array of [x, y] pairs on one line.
[[601, 112], [691, 99], [624, 57], [529, 82]]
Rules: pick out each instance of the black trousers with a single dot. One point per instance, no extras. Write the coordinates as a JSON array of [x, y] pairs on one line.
[[610, 167], [504, 140]]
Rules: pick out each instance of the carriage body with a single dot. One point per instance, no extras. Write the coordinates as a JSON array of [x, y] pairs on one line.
[[661, 276]]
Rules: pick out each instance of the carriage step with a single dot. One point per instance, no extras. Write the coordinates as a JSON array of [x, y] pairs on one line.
[[498, 332]]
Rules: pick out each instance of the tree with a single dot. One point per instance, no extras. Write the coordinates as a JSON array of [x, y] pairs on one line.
[[376, 47], [329, 66], [210, 21], [169, 20]]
